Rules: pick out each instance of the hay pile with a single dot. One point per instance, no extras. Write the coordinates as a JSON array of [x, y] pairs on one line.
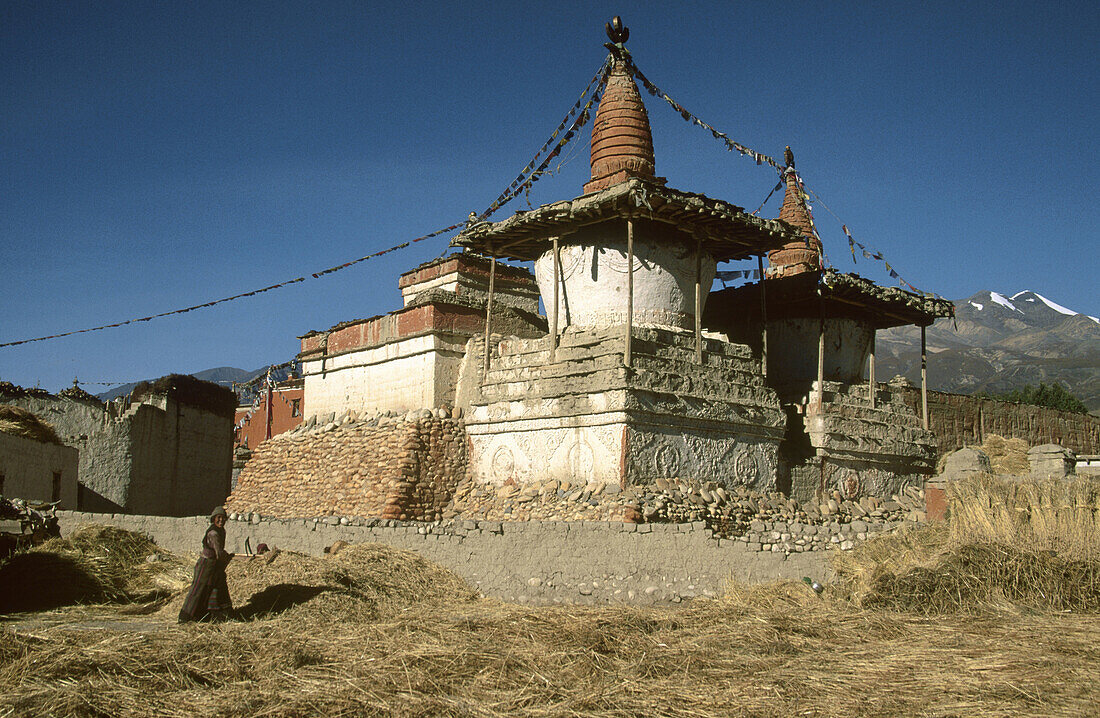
[[1005, 544], [98, 564], [360, 583], [20, 422], [793, 657], [95, 564], [768, 650]]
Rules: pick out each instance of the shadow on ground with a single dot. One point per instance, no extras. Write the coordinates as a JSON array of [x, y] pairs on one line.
[[276, 599]]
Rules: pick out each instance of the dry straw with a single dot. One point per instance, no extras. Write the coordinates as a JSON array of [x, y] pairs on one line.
[[20, 422], [769, 652], [960, 619], [361, 583], [1005, 542], [95, 564], [1006, 456]]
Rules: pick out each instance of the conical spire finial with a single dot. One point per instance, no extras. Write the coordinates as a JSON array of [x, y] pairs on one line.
[[803, 255], [622, 142]]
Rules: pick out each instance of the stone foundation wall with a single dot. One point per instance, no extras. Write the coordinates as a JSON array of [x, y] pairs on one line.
[[960, 420], [852, 447], [381, 467], [585, 417]]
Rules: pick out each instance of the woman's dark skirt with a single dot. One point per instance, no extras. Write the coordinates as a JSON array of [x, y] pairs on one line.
[[209, 593]]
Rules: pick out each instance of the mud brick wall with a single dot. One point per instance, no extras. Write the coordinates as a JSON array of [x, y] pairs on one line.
[[959, 420], [404, 470]]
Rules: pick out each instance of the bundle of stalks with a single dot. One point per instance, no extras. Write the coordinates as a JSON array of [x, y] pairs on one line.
[[96, 563], [1061, 515], [1005, 543], [1006, 456]]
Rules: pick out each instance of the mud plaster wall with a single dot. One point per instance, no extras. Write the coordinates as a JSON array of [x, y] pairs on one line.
[[181, 459], [528, 562], [28, 467], [398, 376], [170, 459], [405, 360], [404, 470]]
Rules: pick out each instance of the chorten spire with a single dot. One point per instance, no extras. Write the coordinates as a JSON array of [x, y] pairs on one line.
[[803, 255], [622, 143]]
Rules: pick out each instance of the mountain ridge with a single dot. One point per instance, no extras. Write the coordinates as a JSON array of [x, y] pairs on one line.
[[997, 343]]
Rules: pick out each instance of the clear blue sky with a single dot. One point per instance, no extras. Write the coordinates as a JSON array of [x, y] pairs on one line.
[[159, 155]]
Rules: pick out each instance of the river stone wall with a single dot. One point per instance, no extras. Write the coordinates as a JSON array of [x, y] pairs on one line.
[[382, 467]]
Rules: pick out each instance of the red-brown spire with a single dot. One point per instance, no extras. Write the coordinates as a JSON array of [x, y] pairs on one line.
[[622, 143], [803, 255]]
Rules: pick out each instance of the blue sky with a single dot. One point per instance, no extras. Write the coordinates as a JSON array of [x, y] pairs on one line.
[[159, 155]]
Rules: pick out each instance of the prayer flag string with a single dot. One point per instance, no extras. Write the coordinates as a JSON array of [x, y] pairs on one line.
[[580, 110], [731, 145], [868, 253], [803, 191], [523, 181], [242, 295]]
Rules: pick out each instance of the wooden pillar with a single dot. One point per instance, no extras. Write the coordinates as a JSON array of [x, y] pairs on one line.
[[554, 311], [871, 371], [267, 399], [698, 301], [924, 376], [763, 318], [629, 289], [489, 309], [821, 345]]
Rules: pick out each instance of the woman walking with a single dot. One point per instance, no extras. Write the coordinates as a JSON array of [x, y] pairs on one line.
[[209, 594]]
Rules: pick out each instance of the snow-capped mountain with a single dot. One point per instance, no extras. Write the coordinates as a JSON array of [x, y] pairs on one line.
[[999, 342]]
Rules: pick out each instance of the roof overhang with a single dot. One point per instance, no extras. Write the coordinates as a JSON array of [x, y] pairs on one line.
[[826, 293], [726, 231]]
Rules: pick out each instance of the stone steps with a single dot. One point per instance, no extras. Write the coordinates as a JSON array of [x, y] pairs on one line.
[[593, 377]]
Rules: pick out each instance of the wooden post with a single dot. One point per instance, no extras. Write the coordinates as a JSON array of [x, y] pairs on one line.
[[763, 318], [268, 398], [871, 371], [923, 376], [489, 309], [629, 289], [554, 311], [821, 346], [698, 301]]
